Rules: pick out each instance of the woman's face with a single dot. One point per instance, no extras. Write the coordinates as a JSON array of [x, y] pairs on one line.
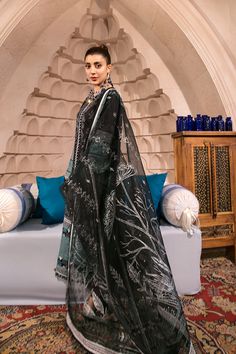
[[96, 69]]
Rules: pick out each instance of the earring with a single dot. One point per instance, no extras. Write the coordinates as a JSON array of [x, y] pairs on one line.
[[109, 81]]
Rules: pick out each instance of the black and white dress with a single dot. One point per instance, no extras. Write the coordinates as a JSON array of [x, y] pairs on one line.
[[112, 249]]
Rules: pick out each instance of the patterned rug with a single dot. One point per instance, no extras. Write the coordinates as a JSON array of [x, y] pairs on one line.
[[211, 317]]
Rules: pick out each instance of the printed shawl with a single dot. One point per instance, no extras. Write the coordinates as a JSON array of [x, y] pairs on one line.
[[112, 248]]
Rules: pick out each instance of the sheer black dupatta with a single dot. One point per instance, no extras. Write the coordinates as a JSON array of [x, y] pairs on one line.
[[116, 252]]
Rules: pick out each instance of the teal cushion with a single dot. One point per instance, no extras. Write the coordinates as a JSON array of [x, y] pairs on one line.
[[156, 182], [51, 199]]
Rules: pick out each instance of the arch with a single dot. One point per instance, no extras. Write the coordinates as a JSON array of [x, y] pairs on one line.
[[132, 71], [66, 71], [56, 90], [54, 64], [72, 92], [138, 109], [43, 107], [100, 30], [41, 163], [165, 102], [9, 180], [54, 146], [117, 75], [167, 124], [154, 108], [145, 161], [23, 144], [10, 163], [146, 126], [26, 178], [86, 26], [79, 74], [32, 127], [23, 164], [127, 92], [60, 110], [11, 145], [165, 143], [36, 145], [44, 83], [136, 126], [156, 162], [77, 48], [113, 54], [113, 26], [49, 127], [66, 129], [74, 111], [121, 50], [145, 144], [3, 159]]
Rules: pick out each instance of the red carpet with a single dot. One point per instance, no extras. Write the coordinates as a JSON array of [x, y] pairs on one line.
[[211, 317]]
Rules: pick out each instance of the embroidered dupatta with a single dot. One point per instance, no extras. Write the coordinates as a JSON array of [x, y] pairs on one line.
[[112, 247]]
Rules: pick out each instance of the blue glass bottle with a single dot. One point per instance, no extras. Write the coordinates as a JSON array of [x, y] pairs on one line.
[[198, 122], [189, 122], [221, 123], [179, 123], [228, 124], [214, 124], [206, 122], [185, 124]]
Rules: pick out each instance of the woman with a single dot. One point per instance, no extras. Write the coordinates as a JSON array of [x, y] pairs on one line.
[[121, 296]]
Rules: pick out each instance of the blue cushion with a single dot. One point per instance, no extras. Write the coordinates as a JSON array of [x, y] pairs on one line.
[[51, 199], [156, 182]]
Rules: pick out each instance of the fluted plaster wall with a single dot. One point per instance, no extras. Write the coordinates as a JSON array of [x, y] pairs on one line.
[[43, 140]]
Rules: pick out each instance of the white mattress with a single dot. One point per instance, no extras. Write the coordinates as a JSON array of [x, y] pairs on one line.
[[28, 257]]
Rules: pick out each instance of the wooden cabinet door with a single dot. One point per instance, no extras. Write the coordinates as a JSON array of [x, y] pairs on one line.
[[205, 163]]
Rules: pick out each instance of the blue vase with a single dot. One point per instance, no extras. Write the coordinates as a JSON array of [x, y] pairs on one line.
[[214, 124], [206, 122], [179, 123], [228, 124], [189, 122], [198, 122], [221, 123], [185, 124]]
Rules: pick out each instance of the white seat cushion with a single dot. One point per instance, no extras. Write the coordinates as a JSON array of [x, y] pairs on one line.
[[28, 257], [184, 253]]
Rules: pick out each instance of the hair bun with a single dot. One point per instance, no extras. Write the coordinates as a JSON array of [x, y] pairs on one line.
[[103, 46]]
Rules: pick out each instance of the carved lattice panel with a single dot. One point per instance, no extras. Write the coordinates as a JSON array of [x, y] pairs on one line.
[[202, 178], [222, 166]]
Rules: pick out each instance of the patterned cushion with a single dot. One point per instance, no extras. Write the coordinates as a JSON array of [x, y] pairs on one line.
[[179, 206], [16, 206], [33, 188]]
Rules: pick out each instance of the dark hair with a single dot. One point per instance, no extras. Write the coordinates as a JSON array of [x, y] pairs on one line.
[[101, 49]]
